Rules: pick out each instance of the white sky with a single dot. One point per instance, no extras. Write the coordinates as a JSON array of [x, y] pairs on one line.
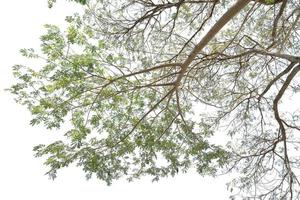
[[22, 175]]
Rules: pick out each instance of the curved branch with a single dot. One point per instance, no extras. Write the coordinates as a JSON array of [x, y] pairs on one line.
[[227, 16]]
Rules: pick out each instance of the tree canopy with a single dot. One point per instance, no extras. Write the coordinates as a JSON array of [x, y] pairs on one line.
[[144, 85]]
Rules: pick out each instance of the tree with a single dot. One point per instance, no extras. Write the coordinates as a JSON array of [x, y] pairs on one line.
[[146, 84]]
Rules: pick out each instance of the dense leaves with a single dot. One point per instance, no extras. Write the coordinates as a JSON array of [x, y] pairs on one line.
[[111, 132]]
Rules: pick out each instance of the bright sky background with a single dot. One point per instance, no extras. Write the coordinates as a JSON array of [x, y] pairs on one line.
[[22, 175]]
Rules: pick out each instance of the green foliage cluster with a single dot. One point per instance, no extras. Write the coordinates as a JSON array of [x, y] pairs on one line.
[[52, 2], [108, 137]]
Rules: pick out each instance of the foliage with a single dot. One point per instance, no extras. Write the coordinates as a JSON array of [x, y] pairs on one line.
[[144, 86], [52, 2]]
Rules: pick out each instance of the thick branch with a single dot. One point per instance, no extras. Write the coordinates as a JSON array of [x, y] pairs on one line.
[[269, 2], [276, 112], [235, 9]]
